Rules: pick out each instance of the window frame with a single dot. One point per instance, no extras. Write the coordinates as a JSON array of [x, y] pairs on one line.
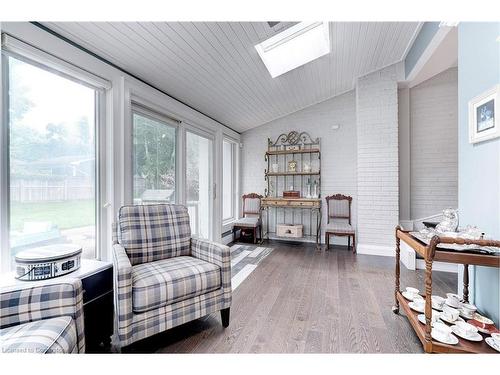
[[226, 222], [204, 133], [152, 114], [14, 48]]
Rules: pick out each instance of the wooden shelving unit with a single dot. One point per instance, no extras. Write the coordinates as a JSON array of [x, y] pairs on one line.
[[302, 149], [432, 253]]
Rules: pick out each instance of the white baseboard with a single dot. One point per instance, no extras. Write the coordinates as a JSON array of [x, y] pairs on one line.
[[386, 251], [227, 239], [438, 266]]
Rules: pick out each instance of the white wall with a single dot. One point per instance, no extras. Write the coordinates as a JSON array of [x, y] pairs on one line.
[[377, 148], [434, 144], [338, 147]]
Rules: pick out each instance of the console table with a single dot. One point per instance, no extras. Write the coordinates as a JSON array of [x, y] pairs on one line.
[[97, 284], [431, 253]]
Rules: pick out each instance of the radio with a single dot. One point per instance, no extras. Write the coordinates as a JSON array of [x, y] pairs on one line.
[[47, 262]]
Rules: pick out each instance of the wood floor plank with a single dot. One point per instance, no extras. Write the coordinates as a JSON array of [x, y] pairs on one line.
[[300, 300]]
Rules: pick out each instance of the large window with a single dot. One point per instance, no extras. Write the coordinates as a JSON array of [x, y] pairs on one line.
[[52, 159], [228, 180], [154, 139]]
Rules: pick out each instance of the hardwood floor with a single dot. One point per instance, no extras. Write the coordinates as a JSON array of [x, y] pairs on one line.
[[300, 300]]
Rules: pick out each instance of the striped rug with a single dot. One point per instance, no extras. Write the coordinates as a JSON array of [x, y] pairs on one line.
[[244, 260]]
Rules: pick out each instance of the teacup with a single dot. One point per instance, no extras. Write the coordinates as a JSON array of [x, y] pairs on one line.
[[466, 328], [412, 291], [468, 309], [441, 330], [453, 299], [437, 302], [496, 337], [450, 313], [419, 303]]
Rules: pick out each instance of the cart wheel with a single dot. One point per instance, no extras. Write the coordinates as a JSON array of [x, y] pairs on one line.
[[395, 309]]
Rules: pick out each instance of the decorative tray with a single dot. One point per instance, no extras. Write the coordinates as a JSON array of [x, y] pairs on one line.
[[489, 250]]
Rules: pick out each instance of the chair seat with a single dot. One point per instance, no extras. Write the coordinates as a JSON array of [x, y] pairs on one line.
[[339, 228], [54, 335], [247, 222], [163, 282]]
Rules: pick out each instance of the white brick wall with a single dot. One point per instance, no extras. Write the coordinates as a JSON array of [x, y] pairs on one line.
[[377, 149], [434, 144], [338, 147]]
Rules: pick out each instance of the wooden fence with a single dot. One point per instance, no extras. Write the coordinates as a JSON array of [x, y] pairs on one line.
[[50, 190]]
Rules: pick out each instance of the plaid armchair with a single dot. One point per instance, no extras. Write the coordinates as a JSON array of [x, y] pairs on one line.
[[46, 318], [163, 277]]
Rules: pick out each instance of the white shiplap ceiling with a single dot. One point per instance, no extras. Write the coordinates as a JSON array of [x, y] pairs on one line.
[[214, 67]]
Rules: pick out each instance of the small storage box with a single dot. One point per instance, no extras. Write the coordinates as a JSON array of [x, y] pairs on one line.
[[290, 230], [291, 194]]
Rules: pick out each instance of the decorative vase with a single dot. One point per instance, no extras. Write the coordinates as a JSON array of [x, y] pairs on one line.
[[308, 196]]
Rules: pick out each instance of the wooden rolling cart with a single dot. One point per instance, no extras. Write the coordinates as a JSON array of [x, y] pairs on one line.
[[432, 253], [305, 209]]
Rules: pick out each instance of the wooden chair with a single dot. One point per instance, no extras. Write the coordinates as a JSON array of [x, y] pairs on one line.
[[251, 216], [339, 220]]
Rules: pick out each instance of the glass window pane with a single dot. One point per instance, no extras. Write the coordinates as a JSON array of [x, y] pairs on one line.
[[199, 184], [227, 181], [52, 164], [154, 161]]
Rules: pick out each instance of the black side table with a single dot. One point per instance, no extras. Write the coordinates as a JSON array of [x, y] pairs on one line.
[[98, 308]]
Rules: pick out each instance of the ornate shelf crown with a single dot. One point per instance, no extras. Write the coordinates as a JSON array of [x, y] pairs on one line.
[[294, 138]]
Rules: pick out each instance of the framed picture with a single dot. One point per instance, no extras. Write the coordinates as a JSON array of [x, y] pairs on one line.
[[484, 116]]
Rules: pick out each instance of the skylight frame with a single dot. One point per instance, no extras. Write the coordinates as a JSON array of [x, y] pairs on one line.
[[313, 38]]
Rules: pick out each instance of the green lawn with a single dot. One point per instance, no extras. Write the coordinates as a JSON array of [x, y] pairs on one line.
[[66, 215]]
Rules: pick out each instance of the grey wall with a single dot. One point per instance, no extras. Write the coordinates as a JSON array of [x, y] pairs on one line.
[[479, 164], [434, 145], [338, 147]]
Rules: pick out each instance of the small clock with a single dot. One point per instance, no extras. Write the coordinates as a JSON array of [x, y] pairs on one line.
[[292, 166]]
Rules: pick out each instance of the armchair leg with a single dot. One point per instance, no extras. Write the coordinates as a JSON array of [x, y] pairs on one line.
[[224, 315]]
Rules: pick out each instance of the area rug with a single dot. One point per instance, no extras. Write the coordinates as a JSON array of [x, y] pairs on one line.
[[244, 260]]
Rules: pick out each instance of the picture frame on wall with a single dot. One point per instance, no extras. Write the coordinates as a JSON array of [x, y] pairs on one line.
[[484, 116]]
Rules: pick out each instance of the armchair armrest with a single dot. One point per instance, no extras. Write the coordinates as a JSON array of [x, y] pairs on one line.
[[218, 254], [122, 274], [48, 300]]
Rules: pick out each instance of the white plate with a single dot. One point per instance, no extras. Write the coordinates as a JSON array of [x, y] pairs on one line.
[[421, 317], [409, 296], [491, 342], [450, 340], [414, 307], [474, 337], [442, 317], [436, 307], [465, 316]]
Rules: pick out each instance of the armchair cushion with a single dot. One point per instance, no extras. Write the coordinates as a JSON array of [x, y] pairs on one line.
[[164, 282], [55, 335], [153, 232]]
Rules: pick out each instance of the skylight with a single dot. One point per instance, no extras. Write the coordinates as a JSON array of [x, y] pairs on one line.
[[294, 47]]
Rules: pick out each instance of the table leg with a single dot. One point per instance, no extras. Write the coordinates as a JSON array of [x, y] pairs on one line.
[[466, 283], [428, 299], [395, 308]]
